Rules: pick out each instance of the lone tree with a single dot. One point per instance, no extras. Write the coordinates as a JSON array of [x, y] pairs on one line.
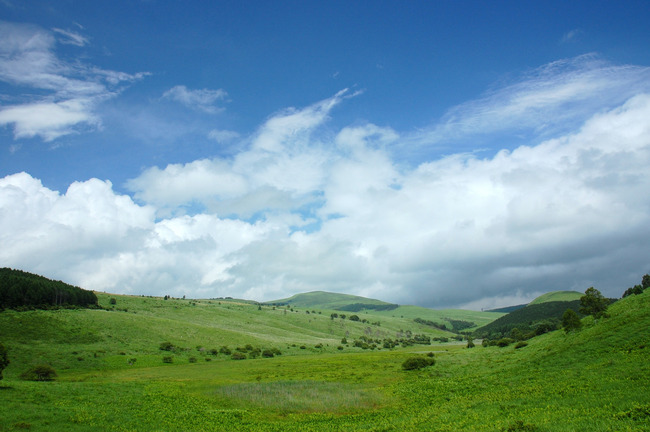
[[571, 321], [593, 303], [4, 359]]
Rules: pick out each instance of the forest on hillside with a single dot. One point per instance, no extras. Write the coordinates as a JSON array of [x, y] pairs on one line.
[[24, 290]]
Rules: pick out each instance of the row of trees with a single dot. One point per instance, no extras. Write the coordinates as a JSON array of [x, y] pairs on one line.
[[638, 289], [20, 290]]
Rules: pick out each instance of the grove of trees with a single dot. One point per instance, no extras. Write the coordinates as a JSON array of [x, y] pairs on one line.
[[19, 290]]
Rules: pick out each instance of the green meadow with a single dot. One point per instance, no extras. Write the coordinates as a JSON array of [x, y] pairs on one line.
[[113, 375]]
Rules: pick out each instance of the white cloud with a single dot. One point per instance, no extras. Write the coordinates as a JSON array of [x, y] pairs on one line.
[[310, 208], [48, 119], [551, 99], [28, 59], [571, 36], [223, 136], [71, 38], [202, 100], [281, 169]]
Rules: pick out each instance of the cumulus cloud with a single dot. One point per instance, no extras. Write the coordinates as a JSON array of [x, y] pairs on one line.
[[66, 94], [102, 240], [201, 100], [282, 168], [303, 207]]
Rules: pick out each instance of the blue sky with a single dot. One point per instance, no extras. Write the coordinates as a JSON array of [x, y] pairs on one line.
[[465, 153]]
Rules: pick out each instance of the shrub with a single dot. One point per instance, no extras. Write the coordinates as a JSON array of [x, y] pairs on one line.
[[132, 361], [225, 350], [571, 321], [414, 363], [276, 351], [238, 356], [4, 359], [112, 301], [168, 359], [43, 372], [214, 352], [166, 346], [267, 353], [340, 348], [521, 344], [192, 359], [504, 342]]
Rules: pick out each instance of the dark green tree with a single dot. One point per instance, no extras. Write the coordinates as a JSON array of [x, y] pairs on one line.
[[571, 321], [593, 303], [470, 342], [645, 282], [4, 359]]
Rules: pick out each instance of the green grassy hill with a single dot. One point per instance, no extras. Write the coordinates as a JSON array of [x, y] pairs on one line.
[[557, 296], [528, 318], [595, 379], [376, 309], [334, 301]]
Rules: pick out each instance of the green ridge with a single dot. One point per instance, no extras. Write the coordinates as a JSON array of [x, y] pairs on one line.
[[557, 296]]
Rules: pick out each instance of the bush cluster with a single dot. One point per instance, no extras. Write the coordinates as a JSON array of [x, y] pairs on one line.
[[414, 363], [41, 372]]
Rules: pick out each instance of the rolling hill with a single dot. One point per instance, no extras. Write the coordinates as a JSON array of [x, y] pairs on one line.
[[557, 296], [450, 318], [333, 301], [113, 375]]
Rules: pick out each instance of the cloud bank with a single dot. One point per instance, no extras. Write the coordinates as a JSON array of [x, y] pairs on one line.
[[304, 207]]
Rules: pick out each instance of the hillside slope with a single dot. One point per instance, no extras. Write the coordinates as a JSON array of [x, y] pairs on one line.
[[334, 301], [528, 318], [557, 296], [136, 326], [450, 318], [595, 379]]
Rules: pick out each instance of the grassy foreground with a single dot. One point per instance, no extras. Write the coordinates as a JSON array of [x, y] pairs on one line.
[[597, 379]]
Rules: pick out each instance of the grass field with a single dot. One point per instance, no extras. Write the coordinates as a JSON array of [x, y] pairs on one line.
[[597, 379]]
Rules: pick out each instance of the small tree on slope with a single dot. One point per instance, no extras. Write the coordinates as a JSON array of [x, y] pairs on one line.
[[571, 321], [593, 303]]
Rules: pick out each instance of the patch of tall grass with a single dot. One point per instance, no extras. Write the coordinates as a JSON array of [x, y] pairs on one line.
[[300, 396]]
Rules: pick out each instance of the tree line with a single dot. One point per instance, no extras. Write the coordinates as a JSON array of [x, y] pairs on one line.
[[23, 290]]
